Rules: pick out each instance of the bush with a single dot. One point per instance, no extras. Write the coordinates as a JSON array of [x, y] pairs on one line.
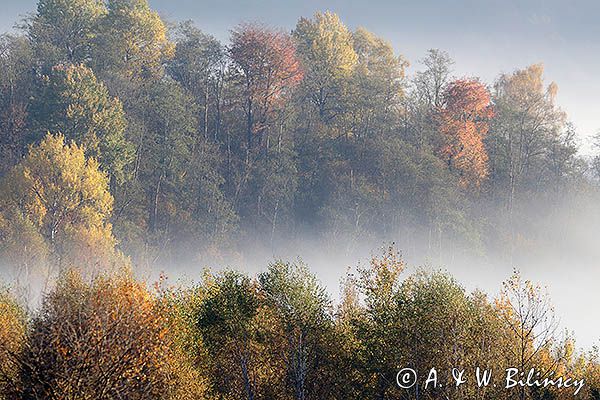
[[105, 339]]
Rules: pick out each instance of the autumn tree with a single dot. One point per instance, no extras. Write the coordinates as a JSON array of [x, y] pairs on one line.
[[131, 43], [63, 31], [531, 325], [378, 84], [100, 340], [72, 101], [464, 123], [326, 50], [377, 326], [527, 127], [12, 342], [268, 69], [265, 70], [531, 152], [61, 200]]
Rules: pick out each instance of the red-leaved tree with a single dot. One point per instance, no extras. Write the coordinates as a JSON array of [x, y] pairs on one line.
[[267, 68], [464, 122]]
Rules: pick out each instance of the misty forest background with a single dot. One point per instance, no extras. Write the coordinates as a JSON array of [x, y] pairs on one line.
[[130, 143]]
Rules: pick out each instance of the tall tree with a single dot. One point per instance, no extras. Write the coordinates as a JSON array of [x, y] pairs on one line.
[[62, 31], [73, 102], [378, 84], [267, 67], [426, 98], [265, 70], [464, 124], [63, 199], [16, 81], [527, 125], [199, 66], [164, 132], [132, 42], [326, 49]]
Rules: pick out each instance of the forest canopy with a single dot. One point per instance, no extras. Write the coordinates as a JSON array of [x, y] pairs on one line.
[[275, 135]]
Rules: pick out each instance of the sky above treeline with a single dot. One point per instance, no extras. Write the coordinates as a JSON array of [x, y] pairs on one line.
[[484, 38]]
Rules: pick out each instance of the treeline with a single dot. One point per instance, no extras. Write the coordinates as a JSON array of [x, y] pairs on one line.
[[278, 336], [202, 145]]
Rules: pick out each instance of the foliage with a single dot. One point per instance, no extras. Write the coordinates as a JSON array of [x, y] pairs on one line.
[[58, 199], [72, 101], [105, 339], [193, 149], [12, 340]]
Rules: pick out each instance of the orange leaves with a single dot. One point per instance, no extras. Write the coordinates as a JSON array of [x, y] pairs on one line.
[[464, 123], [108, 336]]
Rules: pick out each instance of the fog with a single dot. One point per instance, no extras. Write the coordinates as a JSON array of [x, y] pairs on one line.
[[560, 253]]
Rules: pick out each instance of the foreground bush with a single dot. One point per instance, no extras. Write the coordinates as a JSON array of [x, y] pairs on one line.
[[12, 335], [104, 340]]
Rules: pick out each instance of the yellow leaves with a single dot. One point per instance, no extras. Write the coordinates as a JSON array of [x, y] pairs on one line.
[[325, 44], [135, 39], [63, 182], [65, 198], [12, 338]]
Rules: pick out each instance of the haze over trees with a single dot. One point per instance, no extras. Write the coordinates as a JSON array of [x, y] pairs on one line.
[[127, 142]]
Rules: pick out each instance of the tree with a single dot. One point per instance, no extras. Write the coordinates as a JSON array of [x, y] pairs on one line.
[[63, 200], [62, 31], [464, 124], [72, 101], [378, 84], [265, 70], [328, 58], [100, 340], [199, 66], [231, 322], [268, 69], [531, 151], [527, 126], [12, 341], [301, 305], [530, 323], [132, 42], [377, 327], [425, 99], [15, 86], [431, 82]]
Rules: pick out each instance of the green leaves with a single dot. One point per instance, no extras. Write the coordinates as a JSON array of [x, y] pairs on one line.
[[70, 100]]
